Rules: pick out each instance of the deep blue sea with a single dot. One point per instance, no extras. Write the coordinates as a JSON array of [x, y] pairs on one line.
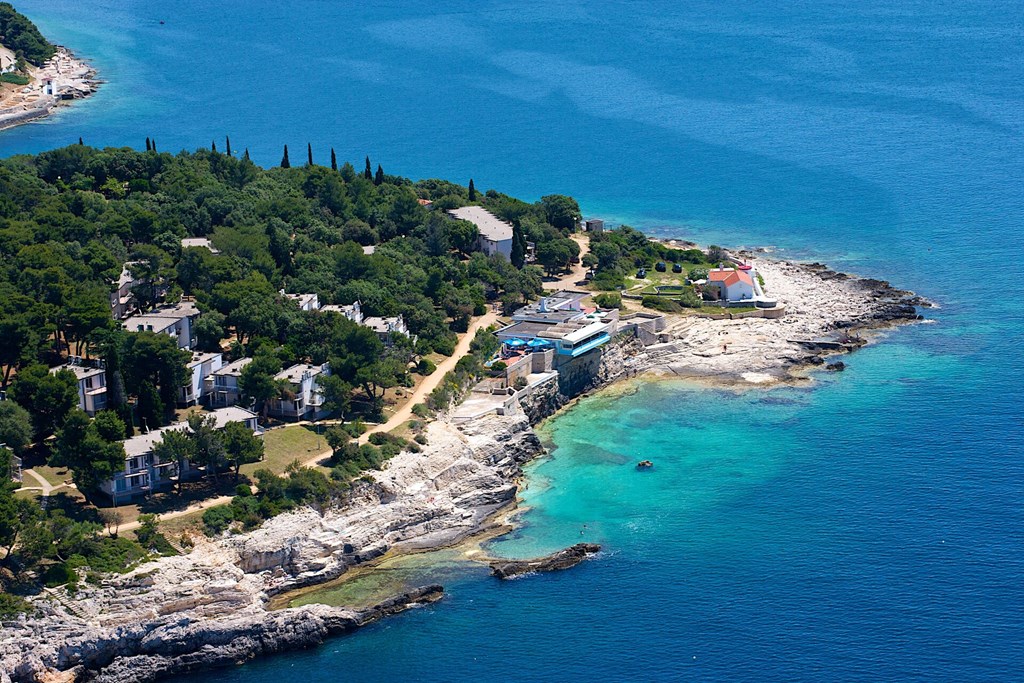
[[870, 528]]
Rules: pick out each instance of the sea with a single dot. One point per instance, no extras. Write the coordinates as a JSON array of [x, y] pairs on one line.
[[866, 526]]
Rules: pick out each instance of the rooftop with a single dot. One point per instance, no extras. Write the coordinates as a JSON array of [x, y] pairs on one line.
[[161, 318], [523, 330], [200, 357], [198, 242], [729, 276], [230, 414], [81, 371], [381, 324], [294, 373], [489, 225], [233, 369]]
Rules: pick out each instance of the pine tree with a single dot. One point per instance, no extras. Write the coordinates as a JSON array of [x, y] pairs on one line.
[[227, 143], [368, 173], [213, 145], [246, 155], [334, 160], [472, 191], [148, 146], [309, 154], [379, 178], [284, 160]]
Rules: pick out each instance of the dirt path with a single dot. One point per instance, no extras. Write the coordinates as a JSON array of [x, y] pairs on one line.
[[578, 271], [404, 413]]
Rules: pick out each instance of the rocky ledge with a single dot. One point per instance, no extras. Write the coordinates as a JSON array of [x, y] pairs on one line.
[[563, 559]]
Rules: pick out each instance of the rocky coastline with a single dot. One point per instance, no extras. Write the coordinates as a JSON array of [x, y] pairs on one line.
[[211, 607], [72, 79]]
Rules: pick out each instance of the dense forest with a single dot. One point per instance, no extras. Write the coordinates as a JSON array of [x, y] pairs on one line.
[[22, 37]]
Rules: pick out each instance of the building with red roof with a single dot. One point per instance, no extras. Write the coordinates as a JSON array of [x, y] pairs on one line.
[[732, 285]]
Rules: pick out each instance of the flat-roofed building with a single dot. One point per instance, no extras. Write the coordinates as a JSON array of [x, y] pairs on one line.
[[201, 368], [198, 242], [306, 399], [175, 321], [306, 302], [225, 390], [92, 383], [495, 234], [352, 311], [387, 328]]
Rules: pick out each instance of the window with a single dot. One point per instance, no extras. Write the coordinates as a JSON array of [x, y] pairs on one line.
[[88, 382]]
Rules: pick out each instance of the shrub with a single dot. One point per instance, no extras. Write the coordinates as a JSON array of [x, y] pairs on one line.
[[413, 447], [12, 605], [16, 79], [378, 438], [425, 366], [608, 300], [699, 274], [421, 410], [59, 574], [689, 299], [520, 383], [608, 281], [663, 304], [217, 519], [421, 439]]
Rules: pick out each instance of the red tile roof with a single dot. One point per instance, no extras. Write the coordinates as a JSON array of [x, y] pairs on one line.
[[730, 277]]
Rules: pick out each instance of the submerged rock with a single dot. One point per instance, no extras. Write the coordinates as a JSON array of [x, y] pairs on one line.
[[563, 559]]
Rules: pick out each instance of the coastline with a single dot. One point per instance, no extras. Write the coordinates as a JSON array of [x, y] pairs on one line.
[[155, 620], [72, 79]]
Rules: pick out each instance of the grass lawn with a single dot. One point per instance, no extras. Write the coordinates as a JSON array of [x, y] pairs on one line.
[[55, 476], [282, 446]]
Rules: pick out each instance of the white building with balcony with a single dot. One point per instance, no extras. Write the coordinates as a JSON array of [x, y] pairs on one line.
[[201, 369], [224, 390], [305, 399], [92, 383], [175, 321]]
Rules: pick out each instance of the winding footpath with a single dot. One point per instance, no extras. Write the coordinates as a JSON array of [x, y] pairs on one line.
[[403, 414]]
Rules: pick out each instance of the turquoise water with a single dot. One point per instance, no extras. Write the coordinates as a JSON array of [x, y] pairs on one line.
[[868, 528]]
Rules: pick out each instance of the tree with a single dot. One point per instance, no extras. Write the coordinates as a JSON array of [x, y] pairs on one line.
[[334, 160], [207, 442], [336, 392], [518, 256], [15, 427], [336, 438], [368, 173], [241, 446], [175, 446], [379, 177], [227, 143], [48, 397], [256, 380], [309, 154], [561, 211], [554, 255], [154, 366], [284, 159], [148, 145], [84, 446], [209, 329], [380, 376], [149, 528], [472, 191]]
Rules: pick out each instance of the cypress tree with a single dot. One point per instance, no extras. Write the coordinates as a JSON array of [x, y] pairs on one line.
[[334, 160], [213, 145], [368, 173], [153, 142], [148, 147], [80, 141], [246, 155], [309, 154], [284, 160], [518, 256], [472, 191], [379, 178], [227, 142]]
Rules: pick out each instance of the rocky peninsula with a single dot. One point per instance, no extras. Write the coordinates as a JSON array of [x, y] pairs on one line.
[[60, 81], [210, 607]]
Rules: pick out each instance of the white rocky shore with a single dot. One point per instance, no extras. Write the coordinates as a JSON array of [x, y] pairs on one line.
[[210, 607], [69, 79]]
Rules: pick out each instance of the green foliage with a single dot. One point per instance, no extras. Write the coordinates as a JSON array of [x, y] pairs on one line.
[[90, 448], [425, 367], [13, 605], [21, 36], [15, 426], [608, 300], [217, 519], [16, 79], [48, 397], [661, 303]]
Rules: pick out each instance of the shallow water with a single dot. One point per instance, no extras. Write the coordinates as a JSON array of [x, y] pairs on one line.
[[868, 529]]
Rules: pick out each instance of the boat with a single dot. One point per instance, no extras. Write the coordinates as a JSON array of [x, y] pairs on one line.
[[644, 465]]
